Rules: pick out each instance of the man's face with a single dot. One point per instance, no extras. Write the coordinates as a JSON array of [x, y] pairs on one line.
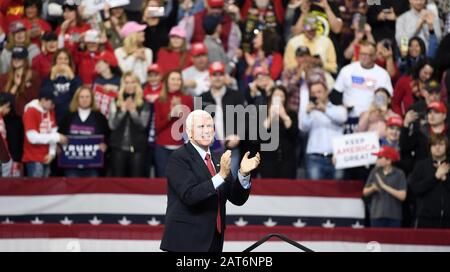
[[217, 80], [51, 46], [393, 133], [92, 47], [435, 118], [202, 131], [417, 4], [154, 78], [310, 34], [47, 104], [200, 62], [382, 162], [367, 56]]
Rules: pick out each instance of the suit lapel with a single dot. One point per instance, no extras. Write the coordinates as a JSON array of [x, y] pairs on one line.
[[199, 160]]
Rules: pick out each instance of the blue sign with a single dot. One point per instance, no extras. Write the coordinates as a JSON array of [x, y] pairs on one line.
[[82, 152]]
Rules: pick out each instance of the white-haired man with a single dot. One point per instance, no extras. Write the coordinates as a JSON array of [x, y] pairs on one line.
[[198, 189]]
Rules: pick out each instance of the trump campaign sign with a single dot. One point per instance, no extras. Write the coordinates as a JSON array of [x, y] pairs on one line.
[[82, 152], [353, 150]]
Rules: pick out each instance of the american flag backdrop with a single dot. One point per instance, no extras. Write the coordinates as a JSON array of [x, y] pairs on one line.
[[128, 215], [125, 202]]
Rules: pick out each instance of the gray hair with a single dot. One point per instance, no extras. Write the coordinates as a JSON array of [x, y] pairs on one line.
[[190, 119]]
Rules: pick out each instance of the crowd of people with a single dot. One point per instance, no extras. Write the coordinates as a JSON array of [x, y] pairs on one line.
[[323, 69]]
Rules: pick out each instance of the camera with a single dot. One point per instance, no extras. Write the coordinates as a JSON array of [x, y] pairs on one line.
[[313, 99], [155, 11]]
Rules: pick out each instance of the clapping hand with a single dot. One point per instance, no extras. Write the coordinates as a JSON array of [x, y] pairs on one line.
[[225, 164], [249, 164]]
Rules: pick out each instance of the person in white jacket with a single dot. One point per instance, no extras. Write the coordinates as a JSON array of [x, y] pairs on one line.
[[133, 56], [41, 134]]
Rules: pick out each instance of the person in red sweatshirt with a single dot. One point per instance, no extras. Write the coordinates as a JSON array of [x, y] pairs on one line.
[[13, 10], [32, 19], [408, 88], [42, 63], [69, 32], [169, 108], [87, 53], [175, 55], [41, 134]]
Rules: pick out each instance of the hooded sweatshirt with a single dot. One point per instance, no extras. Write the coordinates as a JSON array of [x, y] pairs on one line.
[[41, 133]]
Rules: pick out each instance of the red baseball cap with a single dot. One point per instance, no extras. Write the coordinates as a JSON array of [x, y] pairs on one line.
[[394, 121], [216, 66], [216, 3], [388, 152], [154, 68], [260, 70], [109, 58], [437, 106], [199, 49]]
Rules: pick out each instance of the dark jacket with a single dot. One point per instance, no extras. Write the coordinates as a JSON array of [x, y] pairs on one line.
[[95, 119], [191, 213], [414, 139], [120, 122], [433, 196], [231, 97], [15, 135]]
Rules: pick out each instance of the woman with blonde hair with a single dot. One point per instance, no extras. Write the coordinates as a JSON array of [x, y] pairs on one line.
[[17, 37], [133, 56], [128, 120], [168, 110], [84, 119]]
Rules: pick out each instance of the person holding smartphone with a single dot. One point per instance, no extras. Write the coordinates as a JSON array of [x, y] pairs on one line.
[[323, 121], [158, 24], [382, 18]]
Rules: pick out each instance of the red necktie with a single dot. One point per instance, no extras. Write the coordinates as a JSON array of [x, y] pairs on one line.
[[212, 171]]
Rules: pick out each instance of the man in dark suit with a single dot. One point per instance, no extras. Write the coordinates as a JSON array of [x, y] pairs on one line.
[[198, 189]]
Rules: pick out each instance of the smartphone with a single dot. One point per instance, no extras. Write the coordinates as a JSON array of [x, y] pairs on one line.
[[313, 99], [362, 22], [155, 11], [387, 44]]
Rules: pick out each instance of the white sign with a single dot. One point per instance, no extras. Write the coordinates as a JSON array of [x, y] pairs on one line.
[[355, 150], [93, 6]]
